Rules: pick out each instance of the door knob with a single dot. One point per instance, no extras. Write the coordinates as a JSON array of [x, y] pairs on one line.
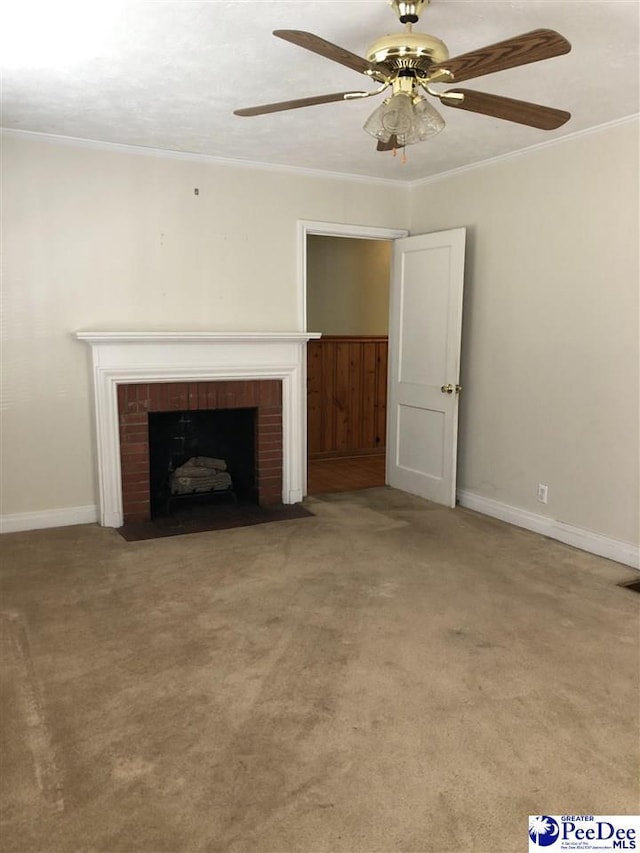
[[449, 389]]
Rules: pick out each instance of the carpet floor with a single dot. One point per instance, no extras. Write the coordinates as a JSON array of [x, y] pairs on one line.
[[386, 675]]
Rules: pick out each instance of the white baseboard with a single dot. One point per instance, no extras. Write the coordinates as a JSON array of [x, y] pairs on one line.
[[48, 518], [586, 540]]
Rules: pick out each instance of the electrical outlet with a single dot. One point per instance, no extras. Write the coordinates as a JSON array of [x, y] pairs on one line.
[[543, 493]]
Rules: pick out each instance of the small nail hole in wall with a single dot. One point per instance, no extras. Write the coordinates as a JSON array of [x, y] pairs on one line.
[[196, 191]]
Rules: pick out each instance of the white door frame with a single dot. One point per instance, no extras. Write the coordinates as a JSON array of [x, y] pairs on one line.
[[331, 229], [326, 229]]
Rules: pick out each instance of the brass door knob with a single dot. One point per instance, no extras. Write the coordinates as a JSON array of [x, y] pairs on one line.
[[449, 389]]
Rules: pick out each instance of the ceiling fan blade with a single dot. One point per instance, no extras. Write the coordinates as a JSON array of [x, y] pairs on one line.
[[521, 112], [332, 51], [520, 50], [292, 105], [390, 145]]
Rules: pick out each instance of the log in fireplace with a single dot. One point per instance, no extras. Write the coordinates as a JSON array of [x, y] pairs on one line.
[[205, 456]]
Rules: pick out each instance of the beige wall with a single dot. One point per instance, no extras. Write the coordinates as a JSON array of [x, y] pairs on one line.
[[348, 285], [550, 333], [107, 239], [97, 239]]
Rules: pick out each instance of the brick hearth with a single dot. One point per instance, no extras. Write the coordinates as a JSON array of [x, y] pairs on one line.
[[136, 401]]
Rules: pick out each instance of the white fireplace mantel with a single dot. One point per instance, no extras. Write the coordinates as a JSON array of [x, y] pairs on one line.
[[133, 357]]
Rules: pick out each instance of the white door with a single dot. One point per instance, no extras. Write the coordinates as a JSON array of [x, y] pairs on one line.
[[425, 324]]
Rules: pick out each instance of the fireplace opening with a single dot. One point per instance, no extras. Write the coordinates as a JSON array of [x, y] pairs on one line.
[[201, 457], [201, 424]]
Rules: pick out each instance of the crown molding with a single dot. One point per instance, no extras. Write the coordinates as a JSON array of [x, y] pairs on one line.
[[169, 154], [186, 156], [511, 155]]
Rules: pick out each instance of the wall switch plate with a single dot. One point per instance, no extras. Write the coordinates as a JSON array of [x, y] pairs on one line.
[[543, 493]]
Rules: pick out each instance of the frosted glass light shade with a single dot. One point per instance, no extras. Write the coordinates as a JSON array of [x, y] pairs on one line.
[[398, 116], [373, 125], [394, 117], [428, 119]]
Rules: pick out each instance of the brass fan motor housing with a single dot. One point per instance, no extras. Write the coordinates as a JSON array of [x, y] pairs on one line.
[[408, 50]]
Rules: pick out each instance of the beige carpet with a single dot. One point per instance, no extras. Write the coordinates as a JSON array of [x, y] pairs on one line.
[[387, 675]]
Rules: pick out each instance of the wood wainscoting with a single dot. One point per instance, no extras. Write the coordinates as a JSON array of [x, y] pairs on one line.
[[346, 396]]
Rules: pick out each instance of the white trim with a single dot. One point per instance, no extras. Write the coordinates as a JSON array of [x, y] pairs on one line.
[[193, 337], [578, 537], [510, 155], [304, 228], [132, 357], [190, 156], [48, 518], [331, 229]]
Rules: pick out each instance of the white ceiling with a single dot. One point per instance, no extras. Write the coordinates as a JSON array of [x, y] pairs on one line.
[[168, 74]]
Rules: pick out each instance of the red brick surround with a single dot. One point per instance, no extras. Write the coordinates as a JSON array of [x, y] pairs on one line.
[[135, 401]]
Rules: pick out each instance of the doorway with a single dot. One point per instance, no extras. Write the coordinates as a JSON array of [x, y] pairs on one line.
[[425, 324], [347, 300]]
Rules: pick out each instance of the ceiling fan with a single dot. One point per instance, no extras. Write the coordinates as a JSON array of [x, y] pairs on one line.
[[409, 63]]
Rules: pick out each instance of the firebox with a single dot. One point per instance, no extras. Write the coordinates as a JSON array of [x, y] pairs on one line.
[[201, 456], [233, 428]]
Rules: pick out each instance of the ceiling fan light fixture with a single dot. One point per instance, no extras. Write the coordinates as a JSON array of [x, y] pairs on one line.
[[394, 117], [428, 119], [408, 121], [374, 126], [410, 62]]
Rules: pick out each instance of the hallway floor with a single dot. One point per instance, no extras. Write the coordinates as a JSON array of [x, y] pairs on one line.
[[346, 474]]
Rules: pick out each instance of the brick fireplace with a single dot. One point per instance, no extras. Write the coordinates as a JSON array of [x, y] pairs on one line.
[[138, 373], [136, 401]]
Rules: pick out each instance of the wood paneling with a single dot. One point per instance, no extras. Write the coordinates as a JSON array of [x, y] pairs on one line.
[[346, 395]]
